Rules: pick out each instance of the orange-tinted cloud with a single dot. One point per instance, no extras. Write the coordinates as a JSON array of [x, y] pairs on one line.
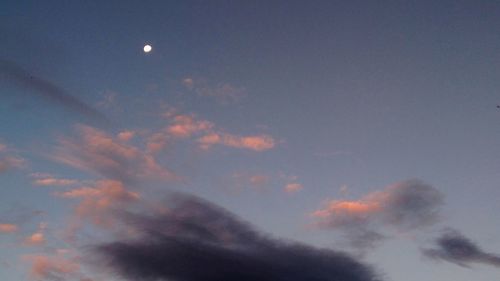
[[9, 161], [255, 143], [126, 135], [8, 228], [293, 187], [51, 181], [350, 208], [35, 239], [406, 206], [97, 201], [404, 203], [97, 151], [259, 179], [38, 237], [185, 126], [52, 267]]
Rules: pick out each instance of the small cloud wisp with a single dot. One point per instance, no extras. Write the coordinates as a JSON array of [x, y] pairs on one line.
[[454, 247]]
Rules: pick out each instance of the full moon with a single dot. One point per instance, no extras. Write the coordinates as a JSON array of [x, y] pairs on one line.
[[147, 48]]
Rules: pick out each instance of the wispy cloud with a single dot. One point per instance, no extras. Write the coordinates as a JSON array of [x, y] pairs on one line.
[[47, 90], [239, 181], [8, 228], [195, 234], [8, 159], [255, 142], [49, 180], [14, 219], [206, 133], [97, 151], [405, 206], [454, 247], [293, 187], [223, 93], [184, 126], [126, 135], [9, 162], [57, 267], [97, 201], [38, 237]]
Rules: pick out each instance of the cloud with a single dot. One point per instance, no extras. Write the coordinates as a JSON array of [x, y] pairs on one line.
[[293, 187], [255, 143], [13, 219], [182, 126], [126, 135], [38, 237], [47, 90], [35, 239], [239, 181], [186, 126], [8, 160], [49, 180], [97, 151], [454, 247], [194, 240], [405, 206], [223, 93], [52, 267], [8, 228], [99, 200]]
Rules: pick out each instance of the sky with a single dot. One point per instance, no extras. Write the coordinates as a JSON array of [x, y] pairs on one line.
[[257, 140]]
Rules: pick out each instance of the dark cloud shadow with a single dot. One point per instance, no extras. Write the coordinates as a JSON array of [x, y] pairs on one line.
[[49, 91], [454, 247], [405, 206], [194, 240]]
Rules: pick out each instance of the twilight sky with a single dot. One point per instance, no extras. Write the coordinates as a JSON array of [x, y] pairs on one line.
[[258, 140]]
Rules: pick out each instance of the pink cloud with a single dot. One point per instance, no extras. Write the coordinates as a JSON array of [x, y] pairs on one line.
[[8, 228], [405, 205], [126, 135], [255, 143], [54, 182], [97, 151], [10, 162], [293, 187], [184, 126], [259, 180], [58, 267], [37, 238], [97, 201], [156, 142]]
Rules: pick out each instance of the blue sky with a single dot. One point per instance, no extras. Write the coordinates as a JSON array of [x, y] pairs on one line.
[[308, 120]]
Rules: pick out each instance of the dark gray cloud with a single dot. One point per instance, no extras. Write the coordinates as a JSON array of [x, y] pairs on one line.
[[195, 240], [11, 72], [403, 206], [454, 247]]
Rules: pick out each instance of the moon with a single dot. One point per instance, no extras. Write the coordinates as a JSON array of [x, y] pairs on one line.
[[147, 48]]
